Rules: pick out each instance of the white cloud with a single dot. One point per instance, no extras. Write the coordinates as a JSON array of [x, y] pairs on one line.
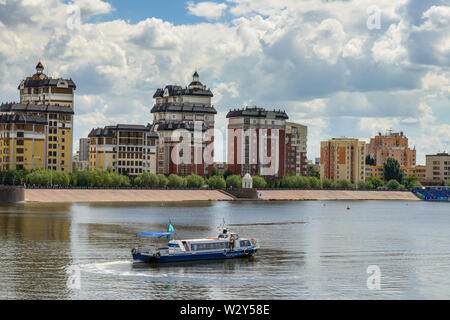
[[209, 10]]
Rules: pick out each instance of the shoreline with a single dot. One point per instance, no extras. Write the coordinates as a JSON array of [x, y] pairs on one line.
[[156, 195]]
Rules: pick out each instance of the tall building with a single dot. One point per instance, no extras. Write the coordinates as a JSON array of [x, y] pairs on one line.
[[38, 131], [298, 135], [437, 167], [391, 145], [125, 149], [342, 158], [184, 122], [258, 143], [84, 149], [378, 171]]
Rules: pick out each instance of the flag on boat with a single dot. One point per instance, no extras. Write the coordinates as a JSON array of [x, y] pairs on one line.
[[170, 228]]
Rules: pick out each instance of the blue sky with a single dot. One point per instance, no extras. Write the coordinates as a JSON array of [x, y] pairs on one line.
[[318, 60]]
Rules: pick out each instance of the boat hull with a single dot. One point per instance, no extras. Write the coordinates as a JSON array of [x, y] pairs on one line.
[[191, 256]]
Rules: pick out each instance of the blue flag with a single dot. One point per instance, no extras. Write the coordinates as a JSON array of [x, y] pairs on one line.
[[170, 229]]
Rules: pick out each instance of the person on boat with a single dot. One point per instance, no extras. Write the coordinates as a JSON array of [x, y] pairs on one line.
[[232, 242]]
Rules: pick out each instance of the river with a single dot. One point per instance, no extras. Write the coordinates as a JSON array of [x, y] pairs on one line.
[[309, 250]]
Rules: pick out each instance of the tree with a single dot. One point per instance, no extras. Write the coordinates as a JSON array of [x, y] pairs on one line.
[[214, 172], [375, 182], [412, 182], [163, 181], [234, 181], [369, 160], [344, 184], [176, 181], [227, 173], [259, 182], [447, 183], [394, 185], [216, 182], [314, 173], [328, 184], [194, 181], [146, 179], [392, 170]]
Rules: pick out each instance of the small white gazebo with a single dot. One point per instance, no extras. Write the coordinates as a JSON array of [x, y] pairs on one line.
[[247, 182]]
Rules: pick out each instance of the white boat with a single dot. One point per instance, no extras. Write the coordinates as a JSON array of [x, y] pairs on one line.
[[159, 247]]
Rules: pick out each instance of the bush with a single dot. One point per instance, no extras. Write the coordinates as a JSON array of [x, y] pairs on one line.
[[394, 185], [375, 182], [365, 185], [328, 184], [259, 182], [163, 181], [344, 184], [194, 181], [176, 181], [315, 182], [234, 181], [216, 182], [146, 179]]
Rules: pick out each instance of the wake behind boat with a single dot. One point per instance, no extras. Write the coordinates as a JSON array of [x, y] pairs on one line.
[[159, 247]]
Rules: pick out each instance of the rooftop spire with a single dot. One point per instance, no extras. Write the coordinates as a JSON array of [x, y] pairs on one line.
[[39, 68]]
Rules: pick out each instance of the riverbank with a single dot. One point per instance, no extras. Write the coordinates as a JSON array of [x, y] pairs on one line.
[[121, 195], [337, 195], [153, 195]]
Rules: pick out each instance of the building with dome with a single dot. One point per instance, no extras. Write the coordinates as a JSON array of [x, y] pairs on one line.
[[184, 122], [37, 132]]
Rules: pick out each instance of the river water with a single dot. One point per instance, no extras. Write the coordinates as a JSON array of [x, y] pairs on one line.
[[309, 250]]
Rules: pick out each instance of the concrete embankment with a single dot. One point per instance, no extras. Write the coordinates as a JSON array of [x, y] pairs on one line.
[[121, 195], [153, 195], [336, 195], [11, 194]]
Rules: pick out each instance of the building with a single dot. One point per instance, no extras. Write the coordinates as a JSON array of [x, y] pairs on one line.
[[79, 164], [298, 135], [342, 158], [437, 168], [125, 149], [38, 131], [391, 145], [184, 123], [258, 143], [84, 149], [378, 171]]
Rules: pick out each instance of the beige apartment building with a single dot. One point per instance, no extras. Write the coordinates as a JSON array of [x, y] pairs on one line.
[[437, 167], [298, 134], [342, 158], [391, 145], [125, 149]]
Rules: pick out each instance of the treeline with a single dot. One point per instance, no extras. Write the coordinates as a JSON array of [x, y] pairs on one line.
[[108, 178]]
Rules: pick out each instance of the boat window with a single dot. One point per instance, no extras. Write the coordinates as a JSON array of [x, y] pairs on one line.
[[245, 243]]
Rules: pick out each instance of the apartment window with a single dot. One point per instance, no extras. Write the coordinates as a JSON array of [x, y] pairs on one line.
[[19, 150]]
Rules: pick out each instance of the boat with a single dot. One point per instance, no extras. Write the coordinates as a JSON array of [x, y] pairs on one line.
[[160, 247]]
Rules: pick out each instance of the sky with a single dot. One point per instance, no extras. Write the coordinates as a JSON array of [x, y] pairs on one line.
[[344, 68]]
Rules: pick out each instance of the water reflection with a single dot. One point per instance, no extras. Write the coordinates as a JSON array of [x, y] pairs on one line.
[[308, 251]]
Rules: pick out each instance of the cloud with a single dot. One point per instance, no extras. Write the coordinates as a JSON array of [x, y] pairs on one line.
[[208, 10], [315, 59]]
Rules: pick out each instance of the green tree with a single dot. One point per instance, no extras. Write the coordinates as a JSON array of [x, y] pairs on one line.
[[146, 179], [234, 181], [163, 181], [328, 184], [214, 171], [227, 173], [315, 183], [446, 183], [314, 173], [176, 181], [344, 184], [259, 182], [194, 181], [216, 182], [412, 182], [375, 182], [394, 185], [392, 170]]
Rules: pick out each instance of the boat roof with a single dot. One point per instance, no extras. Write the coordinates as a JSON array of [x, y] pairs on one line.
[[153, 234]]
